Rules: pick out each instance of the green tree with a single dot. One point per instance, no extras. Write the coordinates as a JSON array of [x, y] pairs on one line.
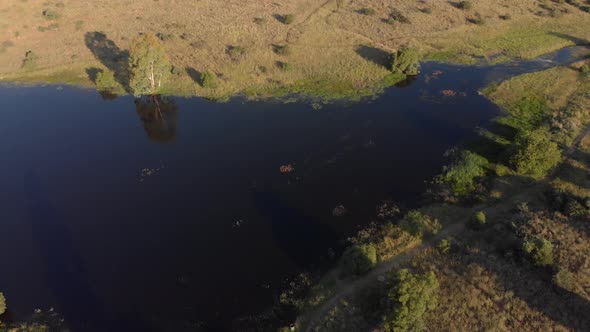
[[463, 172], [405, 61], [208, 80], [539, 250], [535, 154], [358, 259], [410, 297], [417, 224], [2, 304], [149, 65]]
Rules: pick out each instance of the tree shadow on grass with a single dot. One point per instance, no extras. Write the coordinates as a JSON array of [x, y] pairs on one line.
[[488, 148], [110, 55], [373, 54], [575, 175], [573, 39], [195, 75], [532, 284]]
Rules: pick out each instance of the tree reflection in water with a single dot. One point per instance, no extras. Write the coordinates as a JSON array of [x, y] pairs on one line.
[[158, 115]]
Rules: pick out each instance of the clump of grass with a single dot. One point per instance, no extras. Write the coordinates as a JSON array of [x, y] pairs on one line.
[[465, 5], [397, 16], [505, 17], [79, 25], [284, 66], [51, 27], [367, 11], [260, 20], [236, 52], [208, 80], [585, 69], [287, 19], [164, 36], [426, 10], [30, 60], [478, 19], [282, 49], [51, 14]]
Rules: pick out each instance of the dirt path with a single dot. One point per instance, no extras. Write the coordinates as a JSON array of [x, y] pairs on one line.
[[311, 319]]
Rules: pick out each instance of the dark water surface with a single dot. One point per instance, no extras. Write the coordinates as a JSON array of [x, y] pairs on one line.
[[116, 214]]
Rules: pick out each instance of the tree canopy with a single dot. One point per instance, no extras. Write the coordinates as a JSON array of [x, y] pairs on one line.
[[534, 153], [405, 61], [149, 65], [411, 296]]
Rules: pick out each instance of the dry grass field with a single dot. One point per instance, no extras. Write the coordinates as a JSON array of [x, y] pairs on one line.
[[337, 48]]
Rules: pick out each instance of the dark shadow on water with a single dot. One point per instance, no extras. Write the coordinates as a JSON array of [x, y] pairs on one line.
[[503, 130], [158, 115], [195, 75], [110, 55], [292, 230], [108, 95], [373, 54], [66, 276]]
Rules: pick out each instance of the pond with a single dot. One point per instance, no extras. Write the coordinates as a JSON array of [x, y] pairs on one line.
[[177, 214]]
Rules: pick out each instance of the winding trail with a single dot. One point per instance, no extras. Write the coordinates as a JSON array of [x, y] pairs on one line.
[[311, 319]]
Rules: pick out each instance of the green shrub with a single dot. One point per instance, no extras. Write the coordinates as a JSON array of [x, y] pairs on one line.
[[30, 60], [426, 10], [585, 69], [397, 16], [539, 250], [288, 19], [444, 246], [462, 173], [505, 17], [208, 80], [105, 80], [409, 298], [282, 49], [465, 5], [574, 208], [2, 303], [534, 153], [405, 61], [236, 52], [50, 14], [79, 25], [358, 259], [418, 224], [164, 36], [367, 11], [259, 20], [284, 66], [564, 279], [478, 220]]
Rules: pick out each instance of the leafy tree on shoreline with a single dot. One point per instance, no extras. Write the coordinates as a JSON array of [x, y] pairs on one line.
[[411, 296], [535, 154], [405, 61], [149, 65]]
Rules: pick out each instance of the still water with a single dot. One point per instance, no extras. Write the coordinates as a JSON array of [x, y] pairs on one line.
[[127, 215]]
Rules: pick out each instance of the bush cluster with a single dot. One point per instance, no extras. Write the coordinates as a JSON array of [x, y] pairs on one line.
[[463, 172], [409, 299], [405, 61], [539, 250], [418, 224], [358, 259], [208, 80], [534, 153]]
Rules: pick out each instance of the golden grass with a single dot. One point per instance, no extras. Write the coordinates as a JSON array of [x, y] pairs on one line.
[[324, 38]]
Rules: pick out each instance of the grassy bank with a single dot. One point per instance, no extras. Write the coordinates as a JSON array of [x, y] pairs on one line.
[[499, 243], [332, 49]]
